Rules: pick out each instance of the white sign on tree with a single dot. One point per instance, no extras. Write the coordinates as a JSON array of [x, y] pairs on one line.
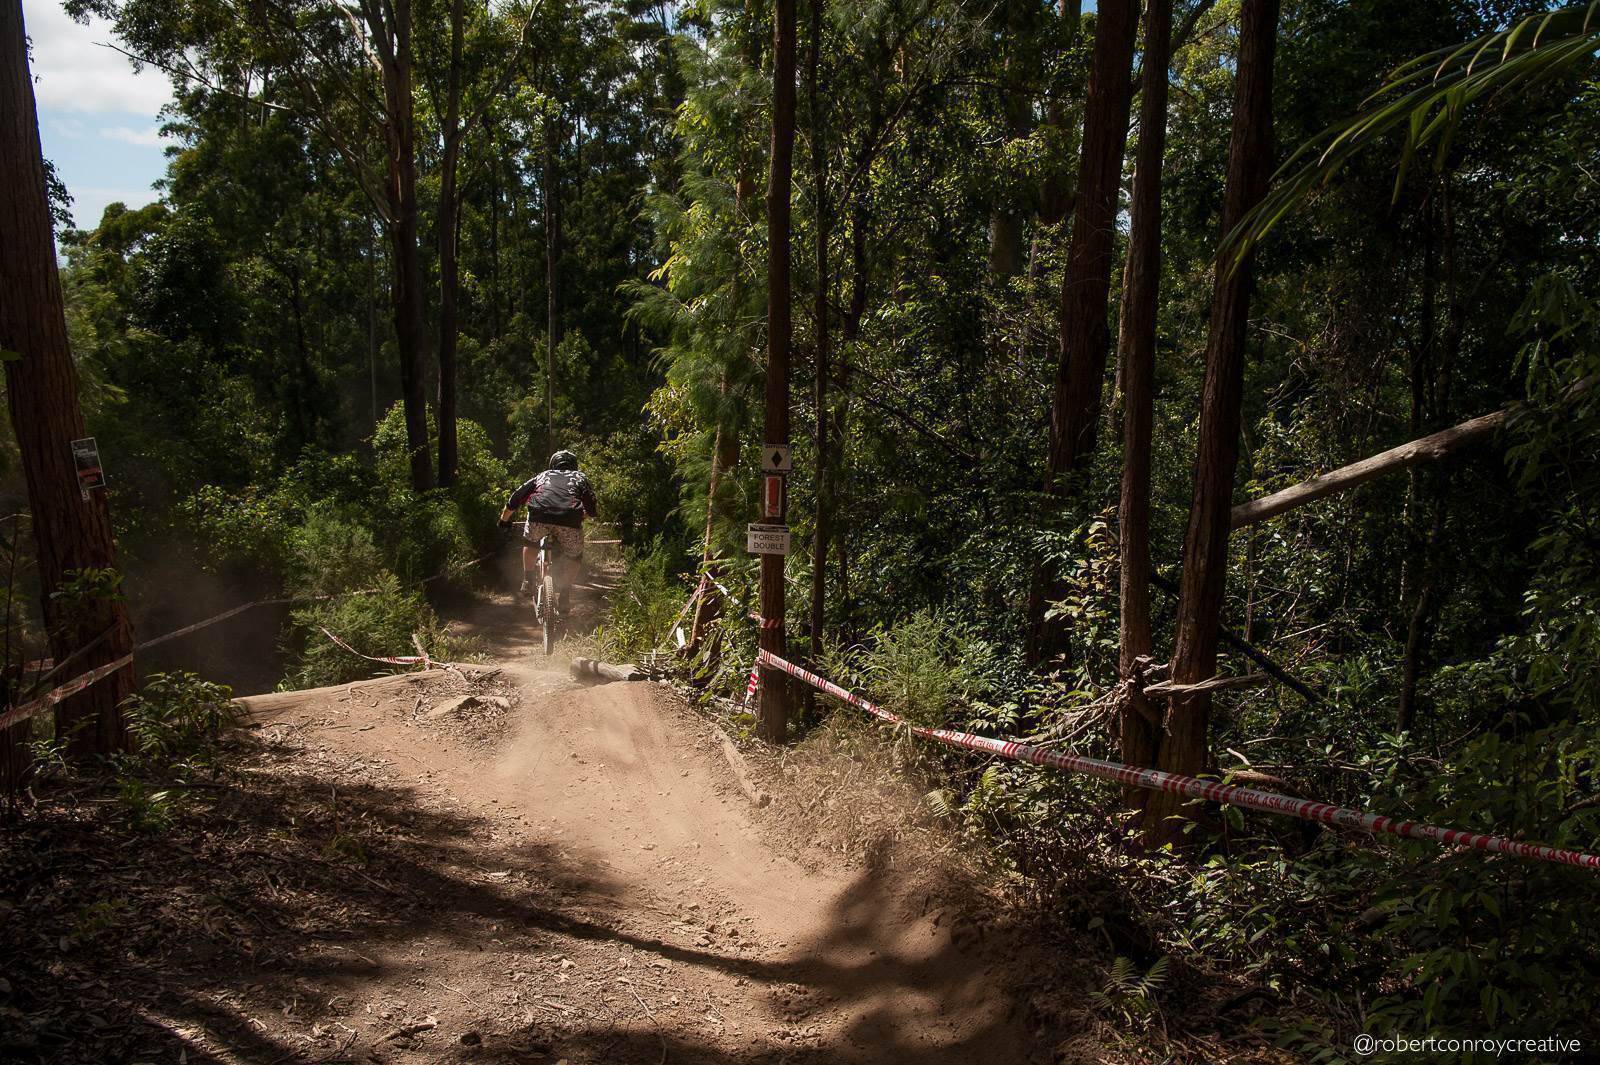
[[775, 459], [766, 539]]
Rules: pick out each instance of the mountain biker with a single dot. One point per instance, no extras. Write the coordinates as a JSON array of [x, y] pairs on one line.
[[558, 500]]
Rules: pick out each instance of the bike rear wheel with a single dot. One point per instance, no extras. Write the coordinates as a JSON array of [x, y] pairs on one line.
[[547, 592]]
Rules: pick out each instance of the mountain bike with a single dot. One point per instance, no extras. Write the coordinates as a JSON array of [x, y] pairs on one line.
[[545, 604]]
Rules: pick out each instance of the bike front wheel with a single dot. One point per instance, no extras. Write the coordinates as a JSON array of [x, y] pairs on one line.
[[548, 593]]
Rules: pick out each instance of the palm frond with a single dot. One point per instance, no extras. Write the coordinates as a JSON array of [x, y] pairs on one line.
[[1426, 99]]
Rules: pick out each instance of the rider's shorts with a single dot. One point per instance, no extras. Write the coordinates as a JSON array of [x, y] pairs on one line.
[[569, 541]]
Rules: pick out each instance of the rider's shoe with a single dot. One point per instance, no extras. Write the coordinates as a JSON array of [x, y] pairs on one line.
[[526, 591]]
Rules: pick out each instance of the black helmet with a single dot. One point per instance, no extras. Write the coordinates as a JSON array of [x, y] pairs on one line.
[[563, 460]]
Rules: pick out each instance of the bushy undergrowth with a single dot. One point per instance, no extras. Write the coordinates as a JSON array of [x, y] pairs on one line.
[[333, 526], [175, 721], [1344, 934], [644, 605], [380, 622]]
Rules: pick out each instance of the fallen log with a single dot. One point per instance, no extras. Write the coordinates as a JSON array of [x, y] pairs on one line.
[[589, 669], [254, 706], [1429, 448]]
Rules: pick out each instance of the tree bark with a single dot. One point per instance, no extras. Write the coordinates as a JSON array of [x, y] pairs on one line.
[[552, 257], [775, 689], [824, 450], [391, 32], [1184, 747], [448, 280], [1005, 219], [72, 534], [1430, 390], [1141, 285], [1086, 286]]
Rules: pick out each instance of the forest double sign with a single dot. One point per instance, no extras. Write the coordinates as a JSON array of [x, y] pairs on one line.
[[766, 539], [771, 539]]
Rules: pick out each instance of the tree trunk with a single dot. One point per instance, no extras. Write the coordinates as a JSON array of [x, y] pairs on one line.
[[410, 332], [1055, 195], [1430, 388], [552, 256], [1086, 286], [1005, 220], [448, 211], [819, 173], [775, 689], [1141, 285], [1184, 746], [72, 534]]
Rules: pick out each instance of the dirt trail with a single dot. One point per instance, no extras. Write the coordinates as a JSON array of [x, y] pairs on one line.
[[641, 908]]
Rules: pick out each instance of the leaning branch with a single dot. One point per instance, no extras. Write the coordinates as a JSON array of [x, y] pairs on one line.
[[188, 73], [1252, 652], [1426, 449]]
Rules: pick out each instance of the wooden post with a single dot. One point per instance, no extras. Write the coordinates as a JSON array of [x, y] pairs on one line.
[[775, 694]]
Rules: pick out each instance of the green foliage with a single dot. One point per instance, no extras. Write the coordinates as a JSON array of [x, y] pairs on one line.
[[150, 808], [175, 716], [175, 721], [928, 668], [1129, 996], [380, 622], [643, 607]]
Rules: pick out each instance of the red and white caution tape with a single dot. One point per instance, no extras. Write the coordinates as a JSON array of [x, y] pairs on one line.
[[71, 687], [754, 684], [402, 660], [1200, 789]]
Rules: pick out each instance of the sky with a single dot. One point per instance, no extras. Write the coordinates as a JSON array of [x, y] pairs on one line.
[[98, 120]]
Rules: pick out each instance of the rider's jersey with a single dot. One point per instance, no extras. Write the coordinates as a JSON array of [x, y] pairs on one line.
[[556, 497]]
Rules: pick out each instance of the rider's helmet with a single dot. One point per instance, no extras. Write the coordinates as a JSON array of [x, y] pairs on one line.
[[563, 460]]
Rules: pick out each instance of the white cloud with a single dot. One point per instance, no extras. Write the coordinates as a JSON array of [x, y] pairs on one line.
[[150, 137], [74, 72]]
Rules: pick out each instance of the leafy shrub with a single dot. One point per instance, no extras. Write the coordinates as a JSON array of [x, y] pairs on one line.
[[237, 525], [926, 669], [643, 606], [424, 534], [177, 716], [329, 555], [380, 622], [175, 721]]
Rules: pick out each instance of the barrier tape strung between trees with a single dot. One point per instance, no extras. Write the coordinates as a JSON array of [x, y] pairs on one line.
[[399, 660], [24, 711], [55, 695], [1155, 780]]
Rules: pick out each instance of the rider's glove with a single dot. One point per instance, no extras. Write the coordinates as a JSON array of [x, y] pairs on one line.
[[505, 519]]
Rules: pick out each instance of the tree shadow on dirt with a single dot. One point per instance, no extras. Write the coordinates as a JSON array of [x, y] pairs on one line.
[[295, 911]]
